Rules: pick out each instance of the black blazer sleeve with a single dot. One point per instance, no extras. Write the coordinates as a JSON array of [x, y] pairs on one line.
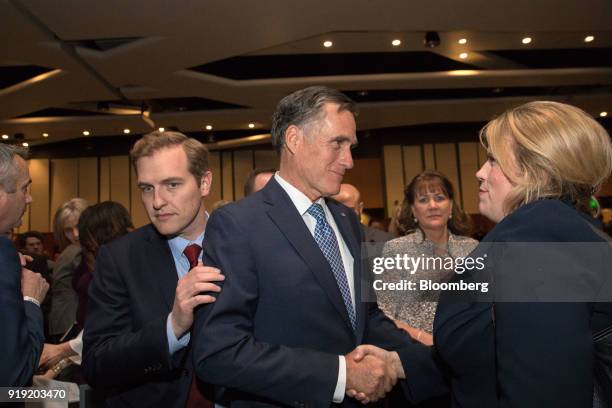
[[114, 354], [22, 323], [424, 377]]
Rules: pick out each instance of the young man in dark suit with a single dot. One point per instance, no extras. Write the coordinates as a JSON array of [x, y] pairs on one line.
[[147, 284]]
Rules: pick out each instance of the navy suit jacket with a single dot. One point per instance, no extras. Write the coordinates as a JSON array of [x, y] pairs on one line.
[[526, 354], [125, 349], [275, 332], [22, 336]]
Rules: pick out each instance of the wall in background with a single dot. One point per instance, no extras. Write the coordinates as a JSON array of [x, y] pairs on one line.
[[458, 161], [98, 179]]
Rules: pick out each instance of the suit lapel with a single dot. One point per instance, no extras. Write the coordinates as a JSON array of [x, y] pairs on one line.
[[286, 217], [161, 265]]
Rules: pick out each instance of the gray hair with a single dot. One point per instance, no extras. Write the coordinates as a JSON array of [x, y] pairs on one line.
[[304, 106], [8, 171]]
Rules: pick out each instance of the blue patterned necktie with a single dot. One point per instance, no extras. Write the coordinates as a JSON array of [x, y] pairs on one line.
[[326, 239]]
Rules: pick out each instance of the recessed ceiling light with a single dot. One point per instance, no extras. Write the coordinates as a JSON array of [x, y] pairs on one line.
[[126, 131], [327, 44], [86, 133], [25, 144], [603, 114], [589, 38], [396, 42], [5, 137], [463, 55], [45, 135], [526, 40], [161, 129], [462, 41], [208, 127], [251, 125]]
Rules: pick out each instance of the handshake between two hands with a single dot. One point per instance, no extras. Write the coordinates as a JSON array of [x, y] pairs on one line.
[[371, 373]]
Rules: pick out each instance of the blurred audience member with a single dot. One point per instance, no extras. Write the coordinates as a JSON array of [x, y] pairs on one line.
[[379, 225], [21, 290], [257, 179], [351, 197], [63, 297], [433, 225], [219, 204], [98, 225], [32, 243]]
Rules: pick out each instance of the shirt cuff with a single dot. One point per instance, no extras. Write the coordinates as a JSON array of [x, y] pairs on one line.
[[175, 344], [341, 385], [31, 299], [76, 344]]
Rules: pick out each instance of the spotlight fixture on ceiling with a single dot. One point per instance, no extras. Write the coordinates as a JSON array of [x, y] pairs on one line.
[[251, 125], [603, 114], [526, 40], [25, 144], [86, 133], [463, 55], [327, 44], [126, 131], [589, 38], [462, 41], [161, 129], [209, 127], [432, 39], [396, 42], [5, 137], [45, 135]]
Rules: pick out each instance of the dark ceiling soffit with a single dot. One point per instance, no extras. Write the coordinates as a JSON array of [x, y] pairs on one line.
[[301, 65], [15, 74], [102, 44], [470, 93]]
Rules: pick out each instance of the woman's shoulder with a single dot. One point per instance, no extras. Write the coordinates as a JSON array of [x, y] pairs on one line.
[[402, 244], [545, 220]]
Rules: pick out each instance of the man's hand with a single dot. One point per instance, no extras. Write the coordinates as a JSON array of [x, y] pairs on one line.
[[368, 377], [392, 365], [23, 259], [188, 295], [33, 285]]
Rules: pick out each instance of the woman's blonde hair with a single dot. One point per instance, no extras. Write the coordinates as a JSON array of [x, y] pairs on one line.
[[74, 206], [549, 150]]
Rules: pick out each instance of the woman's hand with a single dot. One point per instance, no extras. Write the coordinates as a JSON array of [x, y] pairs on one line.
[[54, 353], [419, 335]]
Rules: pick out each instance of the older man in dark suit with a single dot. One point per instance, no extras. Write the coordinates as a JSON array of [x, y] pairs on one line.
[[21, 290], [147, 284], [293, 307]]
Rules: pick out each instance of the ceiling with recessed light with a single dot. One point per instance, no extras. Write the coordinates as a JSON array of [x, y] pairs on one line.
[[115, 67]]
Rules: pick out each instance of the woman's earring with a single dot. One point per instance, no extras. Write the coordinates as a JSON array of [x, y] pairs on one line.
[[416, 221]]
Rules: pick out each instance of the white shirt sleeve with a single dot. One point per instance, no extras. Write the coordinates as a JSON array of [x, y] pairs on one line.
[[76, 344], [341, 384]]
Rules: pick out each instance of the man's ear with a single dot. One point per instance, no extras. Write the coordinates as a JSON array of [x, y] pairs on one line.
[[205, 183], [293, 138]]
